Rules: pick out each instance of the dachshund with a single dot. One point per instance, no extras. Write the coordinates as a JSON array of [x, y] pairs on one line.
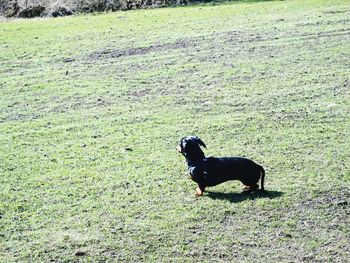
[[212, 171]]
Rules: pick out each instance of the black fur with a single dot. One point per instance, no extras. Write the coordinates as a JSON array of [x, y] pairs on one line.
[[213, 171]]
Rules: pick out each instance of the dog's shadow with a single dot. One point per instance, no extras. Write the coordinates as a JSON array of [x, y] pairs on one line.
[[240, 197]]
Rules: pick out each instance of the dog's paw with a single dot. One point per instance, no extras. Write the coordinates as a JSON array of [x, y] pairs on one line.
[[246, 188], [198, 193], [249, 188]]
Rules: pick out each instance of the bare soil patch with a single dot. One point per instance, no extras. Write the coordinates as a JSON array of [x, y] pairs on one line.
[[109, 53]]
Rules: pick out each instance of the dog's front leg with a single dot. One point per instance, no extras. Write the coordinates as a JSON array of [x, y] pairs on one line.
[[200, 190]]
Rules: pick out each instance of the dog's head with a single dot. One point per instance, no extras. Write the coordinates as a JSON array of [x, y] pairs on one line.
[[190, 147]]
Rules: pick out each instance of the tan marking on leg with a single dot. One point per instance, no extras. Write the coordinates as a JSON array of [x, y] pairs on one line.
[[199, 192]]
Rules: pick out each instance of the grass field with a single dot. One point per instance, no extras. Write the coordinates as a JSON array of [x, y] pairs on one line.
[[91, 109]]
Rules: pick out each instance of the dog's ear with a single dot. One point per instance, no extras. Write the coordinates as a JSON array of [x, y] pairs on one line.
[[183, 144], [200, 142]]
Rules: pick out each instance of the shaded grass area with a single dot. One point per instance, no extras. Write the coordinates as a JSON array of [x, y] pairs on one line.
[[240, 197], [92, 107]]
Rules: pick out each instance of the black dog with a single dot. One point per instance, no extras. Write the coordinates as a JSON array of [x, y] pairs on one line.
[[213, 171]]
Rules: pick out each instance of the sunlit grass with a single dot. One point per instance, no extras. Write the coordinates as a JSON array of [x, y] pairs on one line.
[[91, 109]]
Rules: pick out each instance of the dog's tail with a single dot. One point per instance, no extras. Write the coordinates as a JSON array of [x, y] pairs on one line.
[[262, 178]]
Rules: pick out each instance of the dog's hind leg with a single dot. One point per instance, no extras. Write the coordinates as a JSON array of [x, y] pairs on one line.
[[262, 178]]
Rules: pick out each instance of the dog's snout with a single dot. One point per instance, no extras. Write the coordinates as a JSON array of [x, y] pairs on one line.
[[178, 148]]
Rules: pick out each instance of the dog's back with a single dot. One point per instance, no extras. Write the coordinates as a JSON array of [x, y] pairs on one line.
[[232, 168]]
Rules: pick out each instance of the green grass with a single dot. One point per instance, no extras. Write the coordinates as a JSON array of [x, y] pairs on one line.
[[91, 109]]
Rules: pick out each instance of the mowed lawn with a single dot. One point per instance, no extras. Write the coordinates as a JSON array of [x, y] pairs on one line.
[[92, 106]]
